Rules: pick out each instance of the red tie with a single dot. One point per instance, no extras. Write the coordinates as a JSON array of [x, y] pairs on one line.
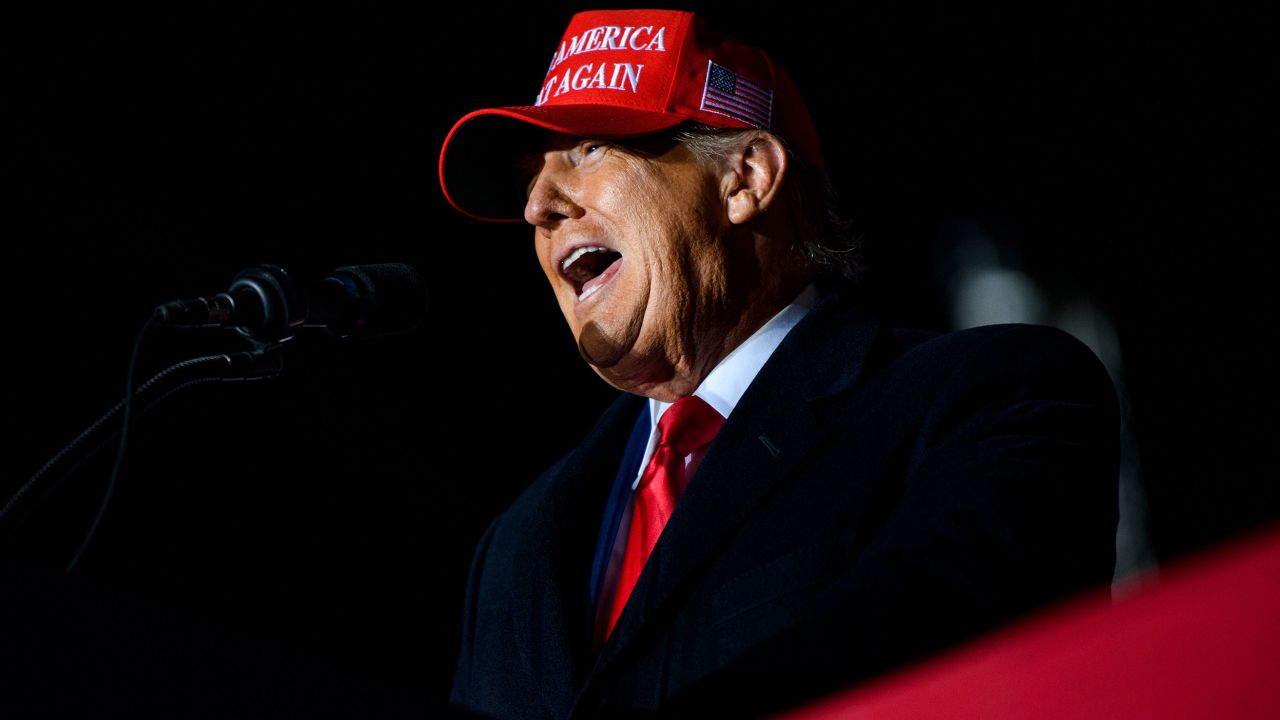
[[685, 428]]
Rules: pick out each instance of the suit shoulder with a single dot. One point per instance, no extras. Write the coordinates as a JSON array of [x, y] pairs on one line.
[[1011, 346], [1013, 356]]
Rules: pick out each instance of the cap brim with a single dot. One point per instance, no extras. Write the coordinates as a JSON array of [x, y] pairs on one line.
[[483, 167]]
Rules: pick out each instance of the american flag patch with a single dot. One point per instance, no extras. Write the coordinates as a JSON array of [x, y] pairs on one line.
[[728, 93]]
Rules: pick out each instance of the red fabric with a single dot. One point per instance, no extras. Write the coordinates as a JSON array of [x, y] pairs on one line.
[[1202, 642], [686, 427]]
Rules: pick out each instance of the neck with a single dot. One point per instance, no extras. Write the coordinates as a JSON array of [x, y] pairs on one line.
[[761, 304]]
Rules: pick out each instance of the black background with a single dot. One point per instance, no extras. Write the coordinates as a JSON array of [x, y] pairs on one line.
[[301, 544]]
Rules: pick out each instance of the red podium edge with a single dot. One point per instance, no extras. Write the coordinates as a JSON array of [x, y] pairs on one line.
[[1200, 641]]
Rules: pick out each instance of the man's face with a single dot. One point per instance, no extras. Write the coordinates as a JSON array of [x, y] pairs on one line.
[[636, 247]]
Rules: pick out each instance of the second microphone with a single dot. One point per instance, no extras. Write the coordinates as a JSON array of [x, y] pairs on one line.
[[265, 304]]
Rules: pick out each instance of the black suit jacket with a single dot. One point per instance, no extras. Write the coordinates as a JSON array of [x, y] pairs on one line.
[[876, 495]]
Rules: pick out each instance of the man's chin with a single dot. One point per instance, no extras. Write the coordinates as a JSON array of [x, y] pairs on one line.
[[599, 349], [618, 367], [613, 360]]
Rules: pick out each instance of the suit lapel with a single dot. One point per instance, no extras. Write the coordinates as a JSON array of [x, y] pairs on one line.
[[772, 429], [558, 623]]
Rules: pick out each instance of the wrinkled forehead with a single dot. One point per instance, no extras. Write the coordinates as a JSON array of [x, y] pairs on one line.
[[507, 159], [531, 156]]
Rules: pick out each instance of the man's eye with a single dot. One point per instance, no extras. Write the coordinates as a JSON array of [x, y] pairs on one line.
[[587, 151]]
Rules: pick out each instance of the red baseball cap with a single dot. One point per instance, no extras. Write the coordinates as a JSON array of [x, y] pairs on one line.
[[619, 74]]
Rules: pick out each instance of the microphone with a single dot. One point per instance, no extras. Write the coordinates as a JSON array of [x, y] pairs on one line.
[[264, 303]]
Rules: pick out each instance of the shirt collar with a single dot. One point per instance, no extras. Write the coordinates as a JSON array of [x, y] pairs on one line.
[[729, 379]]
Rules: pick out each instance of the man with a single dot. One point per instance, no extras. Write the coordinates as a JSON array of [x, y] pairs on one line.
[[789, 495]]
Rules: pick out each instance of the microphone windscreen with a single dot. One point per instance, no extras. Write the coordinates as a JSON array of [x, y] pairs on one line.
[[390, 298]]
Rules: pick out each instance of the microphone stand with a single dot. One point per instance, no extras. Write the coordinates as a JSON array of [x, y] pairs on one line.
[[264, 362], [263, 305]]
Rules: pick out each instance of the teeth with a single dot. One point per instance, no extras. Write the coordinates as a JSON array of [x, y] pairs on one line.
[[588, 292], [573, 256]]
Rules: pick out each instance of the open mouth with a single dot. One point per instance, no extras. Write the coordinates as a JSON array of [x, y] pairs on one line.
[[589, 268]]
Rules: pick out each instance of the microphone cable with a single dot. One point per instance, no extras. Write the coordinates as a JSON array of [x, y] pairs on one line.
[[123, 446], [266, 307], [264, 362]]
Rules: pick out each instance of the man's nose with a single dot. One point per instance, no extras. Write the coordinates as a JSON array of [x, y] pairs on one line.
[[551, 197]]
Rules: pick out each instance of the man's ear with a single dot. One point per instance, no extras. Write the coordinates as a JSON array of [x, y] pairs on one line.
[[753, 176]]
